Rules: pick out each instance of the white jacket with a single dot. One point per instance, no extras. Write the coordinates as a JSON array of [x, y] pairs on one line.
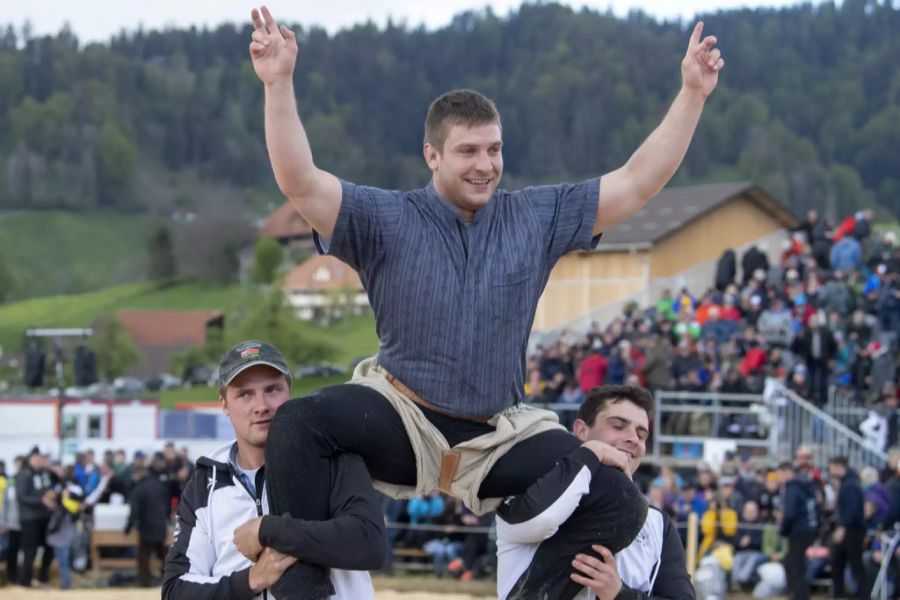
[[203, 562]]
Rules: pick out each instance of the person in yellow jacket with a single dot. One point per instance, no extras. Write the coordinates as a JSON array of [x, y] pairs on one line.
[[718, 524]]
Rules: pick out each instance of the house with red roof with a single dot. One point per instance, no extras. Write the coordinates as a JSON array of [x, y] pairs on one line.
[[323, 288], [160, 334]]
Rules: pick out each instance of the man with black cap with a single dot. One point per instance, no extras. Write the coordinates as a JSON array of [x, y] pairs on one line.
[[34, 492], [226, 545]]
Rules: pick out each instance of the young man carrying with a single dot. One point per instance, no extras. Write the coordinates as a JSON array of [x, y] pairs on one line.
[[453, 272], [226, 544], [540, 531]]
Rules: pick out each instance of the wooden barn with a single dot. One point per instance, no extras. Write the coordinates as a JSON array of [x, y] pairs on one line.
[[674, 241]]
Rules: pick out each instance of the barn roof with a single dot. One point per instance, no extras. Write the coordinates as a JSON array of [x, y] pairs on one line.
[[675, 208], [168, 328], [286, 223]]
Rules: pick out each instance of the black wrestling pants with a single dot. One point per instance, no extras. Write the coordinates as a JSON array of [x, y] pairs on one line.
[[308, 432]]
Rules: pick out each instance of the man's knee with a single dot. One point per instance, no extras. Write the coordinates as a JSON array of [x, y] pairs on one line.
[[619, 506], [299, 412]]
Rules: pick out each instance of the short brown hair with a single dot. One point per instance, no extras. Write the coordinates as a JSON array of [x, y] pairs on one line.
[[459, 107], [599, 397]]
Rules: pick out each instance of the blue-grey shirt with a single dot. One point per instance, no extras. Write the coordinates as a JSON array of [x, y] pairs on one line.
[[454, 301]]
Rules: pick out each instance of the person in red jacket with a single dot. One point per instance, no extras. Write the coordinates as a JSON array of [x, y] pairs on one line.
[[592, 372], [754, 360]]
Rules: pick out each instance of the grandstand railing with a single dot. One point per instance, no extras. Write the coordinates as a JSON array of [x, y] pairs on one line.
[[685, 422], [778, 422], [797, 422], [844, 406]]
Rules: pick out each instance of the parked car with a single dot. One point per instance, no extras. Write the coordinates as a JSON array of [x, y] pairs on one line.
[[163, 381], [202, 375], [123, 386]]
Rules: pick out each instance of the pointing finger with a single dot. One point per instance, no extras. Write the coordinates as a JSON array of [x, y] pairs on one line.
[[260, 37], [695, 36], [271, 26], [257, 20]]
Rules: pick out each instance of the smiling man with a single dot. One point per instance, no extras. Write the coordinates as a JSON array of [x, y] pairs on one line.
[[454, 272], [226, 544], [540, 531]]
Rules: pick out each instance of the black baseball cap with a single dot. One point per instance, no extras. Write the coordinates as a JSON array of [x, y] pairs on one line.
[[249, 354]]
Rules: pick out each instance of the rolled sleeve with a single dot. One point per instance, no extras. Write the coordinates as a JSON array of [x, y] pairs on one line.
[[366, 222], [567, 213]]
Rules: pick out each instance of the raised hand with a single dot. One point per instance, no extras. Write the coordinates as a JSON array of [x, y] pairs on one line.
[[702, 63], [273, 49]]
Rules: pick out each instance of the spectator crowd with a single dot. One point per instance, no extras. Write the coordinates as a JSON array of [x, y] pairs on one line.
[[824, 316], [48, 506]]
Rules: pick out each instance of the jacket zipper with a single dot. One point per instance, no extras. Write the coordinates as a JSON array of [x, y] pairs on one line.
[[257, 499], [260, 483]]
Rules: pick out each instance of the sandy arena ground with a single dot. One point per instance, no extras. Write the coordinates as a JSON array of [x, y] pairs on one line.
[[386, 589], [17, 593]]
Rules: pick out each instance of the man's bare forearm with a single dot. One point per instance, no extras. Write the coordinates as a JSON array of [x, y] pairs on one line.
[[654, 163], [286, 141]]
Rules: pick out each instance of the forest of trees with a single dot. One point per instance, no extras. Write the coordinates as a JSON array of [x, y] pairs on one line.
[[808, 105]]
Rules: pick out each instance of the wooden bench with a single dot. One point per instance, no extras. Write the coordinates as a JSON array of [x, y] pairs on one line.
[[116, 539], [415, 559]]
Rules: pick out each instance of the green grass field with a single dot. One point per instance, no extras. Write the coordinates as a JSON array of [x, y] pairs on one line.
[[54, 252]]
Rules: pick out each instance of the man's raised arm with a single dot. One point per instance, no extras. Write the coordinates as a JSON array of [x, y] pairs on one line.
[[314, 192], [625, 191]]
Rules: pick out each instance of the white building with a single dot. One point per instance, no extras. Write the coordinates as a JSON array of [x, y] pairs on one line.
[[323, 288]]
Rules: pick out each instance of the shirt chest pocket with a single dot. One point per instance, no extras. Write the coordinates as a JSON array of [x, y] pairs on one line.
[[509, 293]]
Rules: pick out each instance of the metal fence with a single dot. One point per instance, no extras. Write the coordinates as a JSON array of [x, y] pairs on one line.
[[686, 422], [776, 423], [797, 422], [845, 406]]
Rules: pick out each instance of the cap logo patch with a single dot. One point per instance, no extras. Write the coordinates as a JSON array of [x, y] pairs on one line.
[[249, 353]]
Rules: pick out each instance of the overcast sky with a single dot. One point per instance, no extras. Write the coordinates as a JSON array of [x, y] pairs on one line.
[[97, 20]]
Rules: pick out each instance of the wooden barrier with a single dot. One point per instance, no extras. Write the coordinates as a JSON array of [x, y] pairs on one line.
[[116, 539], [415, 559]]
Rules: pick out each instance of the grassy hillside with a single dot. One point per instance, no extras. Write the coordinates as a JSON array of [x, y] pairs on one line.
[[56, 252], [351, 338], [81, 310]]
